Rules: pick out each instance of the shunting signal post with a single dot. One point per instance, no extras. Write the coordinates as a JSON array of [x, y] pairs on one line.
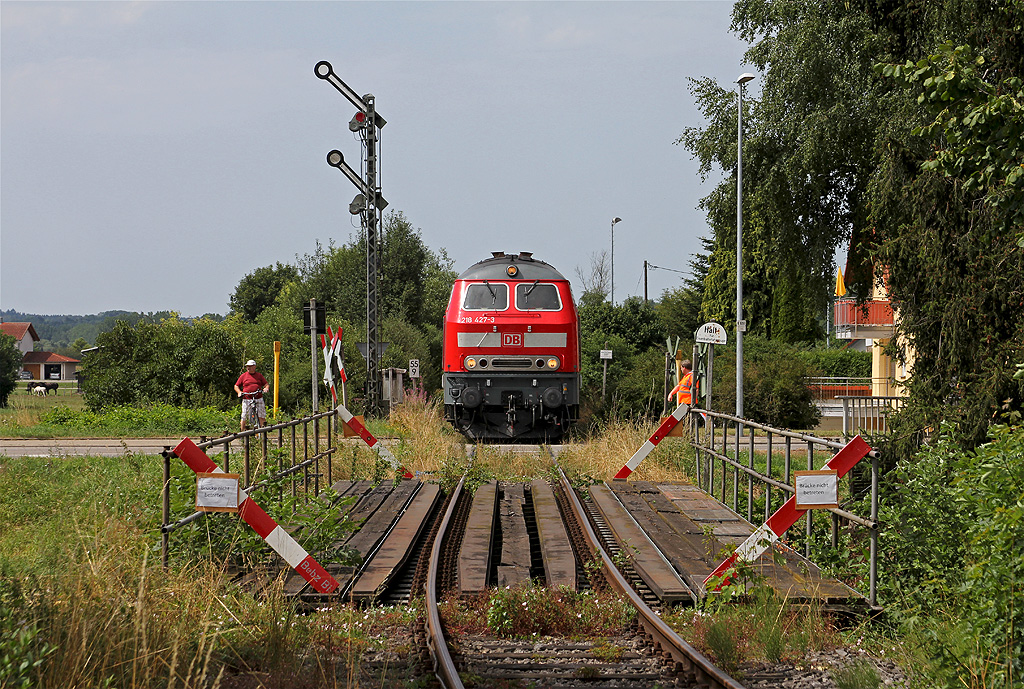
[[368, 204]]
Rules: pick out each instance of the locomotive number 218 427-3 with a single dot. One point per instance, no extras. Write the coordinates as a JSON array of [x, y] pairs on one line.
[[476, 319]]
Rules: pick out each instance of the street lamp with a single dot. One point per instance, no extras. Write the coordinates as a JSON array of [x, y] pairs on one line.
[[741, 325], [614, 220]]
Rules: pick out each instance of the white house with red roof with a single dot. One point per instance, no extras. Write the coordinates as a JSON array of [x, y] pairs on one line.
[[38, 365], [24, 335]]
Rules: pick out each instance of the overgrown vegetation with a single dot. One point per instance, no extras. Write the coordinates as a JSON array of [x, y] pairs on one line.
[[29, 416], [84, 602], [955, 563], [525, 613]]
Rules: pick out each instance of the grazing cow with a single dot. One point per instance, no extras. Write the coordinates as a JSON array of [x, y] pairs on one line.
[[39, 390]]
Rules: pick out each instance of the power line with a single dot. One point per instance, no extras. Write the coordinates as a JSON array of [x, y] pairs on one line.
[[673, 270]]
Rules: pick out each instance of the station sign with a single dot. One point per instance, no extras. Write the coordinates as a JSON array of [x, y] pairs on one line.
[[711, 333], [606, 354]]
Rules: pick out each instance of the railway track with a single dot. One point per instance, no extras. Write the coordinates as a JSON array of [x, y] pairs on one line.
[[451, 547], [651, 654]]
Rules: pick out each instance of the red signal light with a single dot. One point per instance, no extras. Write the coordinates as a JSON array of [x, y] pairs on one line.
[[358, 121]]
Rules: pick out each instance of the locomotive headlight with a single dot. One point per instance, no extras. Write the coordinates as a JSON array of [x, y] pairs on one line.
[[470, 362], [552, 362]]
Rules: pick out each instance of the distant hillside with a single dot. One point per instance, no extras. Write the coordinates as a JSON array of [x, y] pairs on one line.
[[69, 334]]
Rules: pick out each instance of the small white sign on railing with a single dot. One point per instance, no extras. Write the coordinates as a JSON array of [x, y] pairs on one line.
[[816, 490], [216, 492]]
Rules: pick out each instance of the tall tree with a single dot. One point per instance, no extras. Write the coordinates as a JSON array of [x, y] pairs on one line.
[[948, 219], [681, 308], [10, 365], [807, 152], [412, 277], [260, 288], [918, 162]]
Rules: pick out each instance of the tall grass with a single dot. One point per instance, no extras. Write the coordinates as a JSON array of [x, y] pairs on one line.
[[66, 416], [600, 457], [82, 597]]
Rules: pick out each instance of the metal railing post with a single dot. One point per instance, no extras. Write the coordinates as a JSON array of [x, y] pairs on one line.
[[810, 513], [316, 453], [873, 565], [735, 471], [165, 543], [750, 478], [246, 447], [305, 456]]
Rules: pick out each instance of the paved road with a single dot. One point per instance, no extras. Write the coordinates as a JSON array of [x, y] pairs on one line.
[[70, 447]]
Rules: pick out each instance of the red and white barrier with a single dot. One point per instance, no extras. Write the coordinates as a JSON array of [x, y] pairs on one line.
[[372, 442], [663, 430], [787, 515], [332, 360], [263, 524]]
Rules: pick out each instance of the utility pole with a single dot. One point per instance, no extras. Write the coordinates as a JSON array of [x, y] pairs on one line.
[[645, 281], [367, 204]]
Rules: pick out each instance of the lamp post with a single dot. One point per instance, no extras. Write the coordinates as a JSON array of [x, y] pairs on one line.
[[614, 220], [741, 325]]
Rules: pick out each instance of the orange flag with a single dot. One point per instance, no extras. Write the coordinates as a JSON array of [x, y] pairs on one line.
[[840, 284]]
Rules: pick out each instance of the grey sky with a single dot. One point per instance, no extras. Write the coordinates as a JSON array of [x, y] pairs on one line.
[[151, 154]]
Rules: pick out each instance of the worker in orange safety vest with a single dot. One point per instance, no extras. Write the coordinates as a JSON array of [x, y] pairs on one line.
[[684, 390]]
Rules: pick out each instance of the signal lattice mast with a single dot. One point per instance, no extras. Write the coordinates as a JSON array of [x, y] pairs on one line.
[[368, 204]]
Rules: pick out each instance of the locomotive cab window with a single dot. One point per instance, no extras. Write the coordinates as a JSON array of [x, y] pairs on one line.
[[534, 296], [486, 296]]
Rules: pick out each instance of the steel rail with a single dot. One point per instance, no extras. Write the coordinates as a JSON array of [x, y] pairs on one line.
[[444, 666], [692, 660]]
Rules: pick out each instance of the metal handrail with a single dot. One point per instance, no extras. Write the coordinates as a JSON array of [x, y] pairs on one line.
[[705, 449], [311, 457]]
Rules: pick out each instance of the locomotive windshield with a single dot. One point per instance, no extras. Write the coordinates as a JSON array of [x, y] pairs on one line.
[[537, 297], [486, 297]]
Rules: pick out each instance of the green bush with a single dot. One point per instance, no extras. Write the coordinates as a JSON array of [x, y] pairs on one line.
[[835, 362], [774, 390], [191, 363], [954, 529], [161, 419]]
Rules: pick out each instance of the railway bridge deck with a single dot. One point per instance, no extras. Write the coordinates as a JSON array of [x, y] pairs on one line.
[[670, 535]]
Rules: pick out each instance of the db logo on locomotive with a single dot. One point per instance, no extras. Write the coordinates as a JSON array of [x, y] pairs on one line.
[[511, 339]]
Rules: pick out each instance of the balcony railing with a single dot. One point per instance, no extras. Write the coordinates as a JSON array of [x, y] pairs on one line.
[[827, 389], [869, 319]]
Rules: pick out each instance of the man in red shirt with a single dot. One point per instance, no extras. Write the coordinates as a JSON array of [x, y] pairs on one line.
[[251, 386]]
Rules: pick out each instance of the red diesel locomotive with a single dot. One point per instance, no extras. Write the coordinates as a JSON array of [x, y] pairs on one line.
[[511, 357]]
